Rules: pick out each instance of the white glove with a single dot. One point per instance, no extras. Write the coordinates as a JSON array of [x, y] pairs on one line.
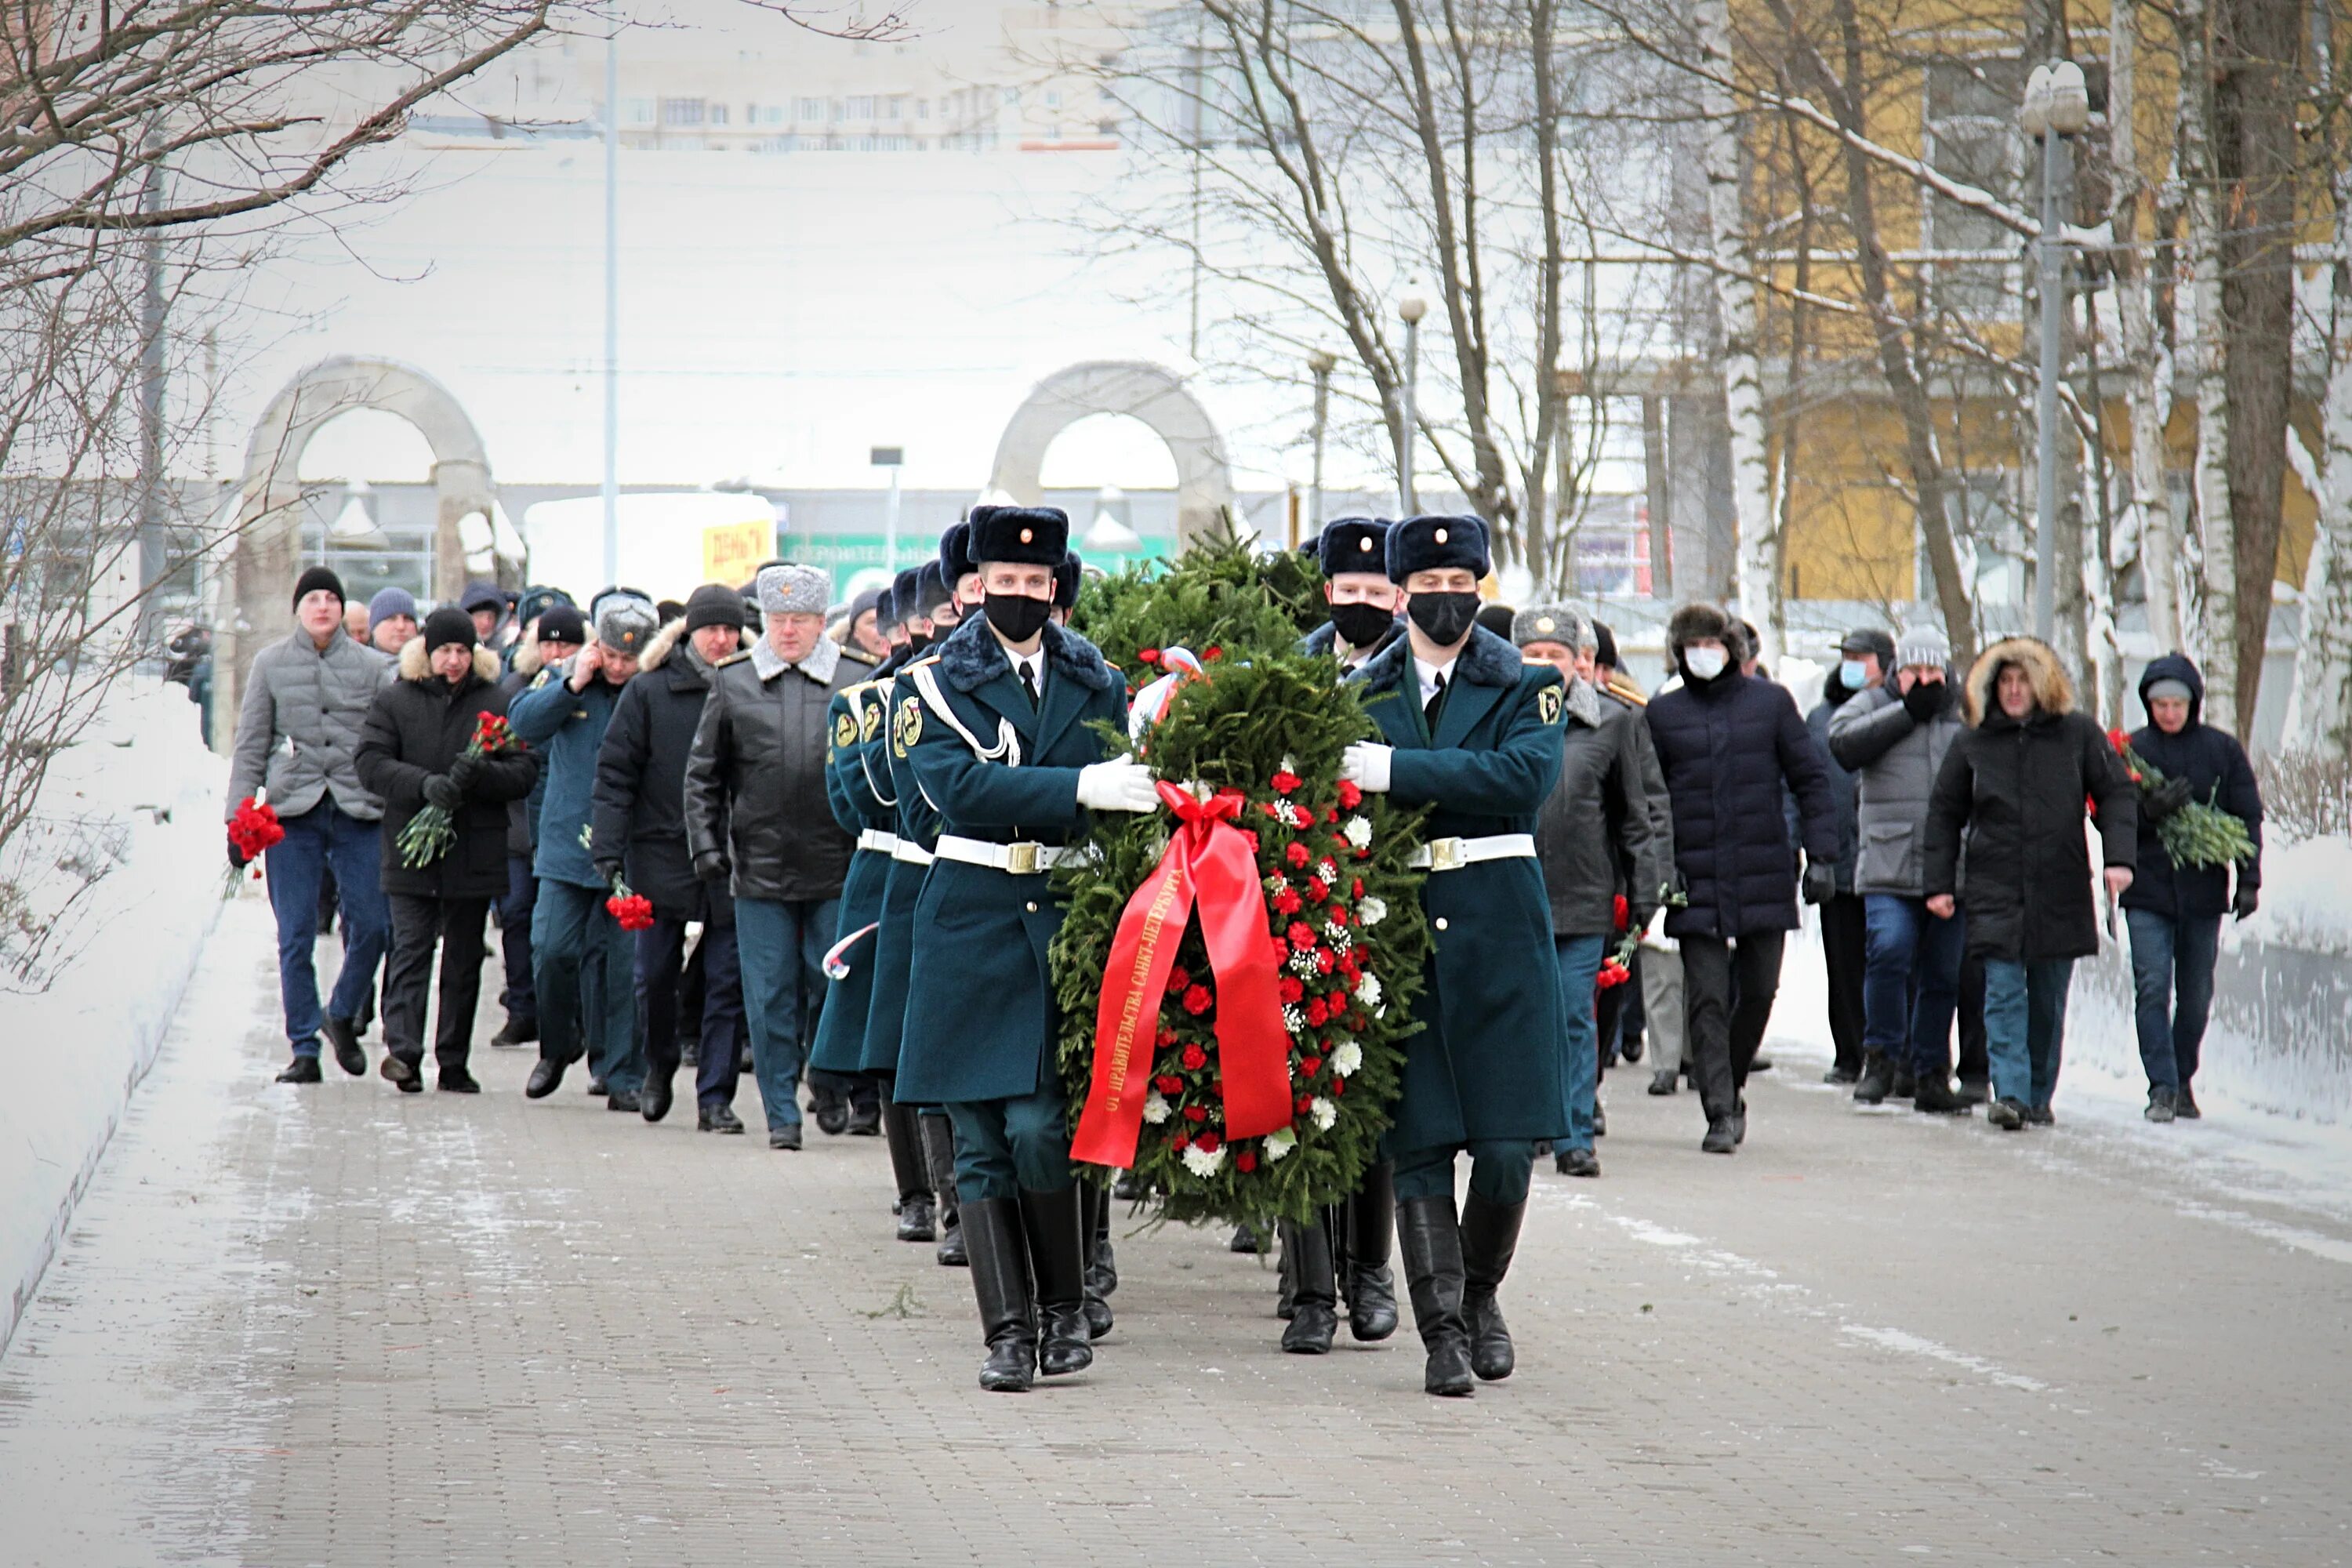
[[1653, 935], [1366, 765], [1121, 785]]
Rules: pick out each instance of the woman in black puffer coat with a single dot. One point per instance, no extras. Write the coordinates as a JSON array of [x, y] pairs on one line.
[[2005, 835]]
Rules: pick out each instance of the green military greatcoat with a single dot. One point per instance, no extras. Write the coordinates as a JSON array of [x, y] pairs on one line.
[[917, 827], [853, 720]]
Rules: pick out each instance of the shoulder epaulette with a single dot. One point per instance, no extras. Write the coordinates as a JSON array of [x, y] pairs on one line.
[[733, 659]]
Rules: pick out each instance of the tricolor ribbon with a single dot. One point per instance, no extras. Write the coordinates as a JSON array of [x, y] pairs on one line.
[[1207, 865]]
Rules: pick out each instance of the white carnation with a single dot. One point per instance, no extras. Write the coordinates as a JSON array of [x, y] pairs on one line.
[[1289, 766], [1155, 1110], [1371, 910], [1279, 1143], [1344, 1060], [1368, 990], [1325, 1113], [1205, 1163], [1358, 832]]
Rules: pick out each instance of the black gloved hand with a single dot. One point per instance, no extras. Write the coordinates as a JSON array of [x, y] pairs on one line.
[[236, 860], [2164, 800], [608, 872], [2249, 899], [466, 771], [1927, 699], [441, 790], [1820, 882], [710, 866]]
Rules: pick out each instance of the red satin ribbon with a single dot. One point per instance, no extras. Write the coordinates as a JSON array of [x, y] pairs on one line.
[[1207, 865]]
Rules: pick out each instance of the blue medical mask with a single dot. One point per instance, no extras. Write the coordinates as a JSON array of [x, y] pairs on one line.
[[1853, 674]]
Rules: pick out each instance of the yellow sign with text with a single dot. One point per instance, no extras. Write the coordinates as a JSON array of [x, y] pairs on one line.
[[731, 552]]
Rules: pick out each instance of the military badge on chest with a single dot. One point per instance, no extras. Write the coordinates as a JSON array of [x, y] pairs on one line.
[[908, 729]]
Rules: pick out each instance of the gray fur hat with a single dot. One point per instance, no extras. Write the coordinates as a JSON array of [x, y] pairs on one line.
[[1563, 624], [788, 590]]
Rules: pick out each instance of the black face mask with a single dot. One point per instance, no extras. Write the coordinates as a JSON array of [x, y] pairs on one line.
[[1444, 617], [1016, 618], [1362, 625], [918, 641]]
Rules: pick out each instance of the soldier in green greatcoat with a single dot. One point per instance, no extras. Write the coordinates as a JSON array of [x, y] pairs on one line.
[[1002, 733], [1474, 734]]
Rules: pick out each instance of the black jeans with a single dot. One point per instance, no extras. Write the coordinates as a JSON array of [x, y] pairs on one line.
[[1845, 946], [1975, 1061], [1724, 1035], [417, 923], [518, 999], [661, 958]]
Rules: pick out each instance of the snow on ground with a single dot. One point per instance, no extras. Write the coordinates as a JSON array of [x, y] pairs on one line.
[[75, 1049]]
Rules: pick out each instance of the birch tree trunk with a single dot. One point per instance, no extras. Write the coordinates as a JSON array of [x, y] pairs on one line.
[[1743, 369], [2146, 398], [2217, 619], [2319, 715]]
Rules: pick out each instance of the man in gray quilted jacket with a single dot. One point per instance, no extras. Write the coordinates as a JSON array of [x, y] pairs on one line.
[[297, 734]]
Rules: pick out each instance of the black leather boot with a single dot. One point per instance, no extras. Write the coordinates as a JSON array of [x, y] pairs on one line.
[[1286, 1282], [1000, 1282], [1490, 1235], [907, 1165], [1098, 1273], [1315, 1290], [1877, 1079], [1055, 1223], [938, 1158], [1370, 1287], [1430, 1237]]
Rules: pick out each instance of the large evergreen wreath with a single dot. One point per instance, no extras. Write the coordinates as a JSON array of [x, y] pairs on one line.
[[1341, 903]]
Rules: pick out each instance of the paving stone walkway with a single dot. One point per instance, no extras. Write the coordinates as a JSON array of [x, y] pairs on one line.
[[342, 1326]]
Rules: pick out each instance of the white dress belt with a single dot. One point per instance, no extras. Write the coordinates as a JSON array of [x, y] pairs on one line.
[[1023, 859], [1453, 853], [881, 842], [912, 853]]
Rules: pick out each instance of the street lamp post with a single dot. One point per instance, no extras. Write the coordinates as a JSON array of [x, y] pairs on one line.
[[1410, 310], [2057, 105], [1322, 362], [611, 489], [893, 458]]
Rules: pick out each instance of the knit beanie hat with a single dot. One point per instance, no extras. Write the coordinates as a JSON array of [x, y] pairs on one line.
[[388, 603], [448, 625], [314, 579], [562, 623], [713, 604], [1922, 645]]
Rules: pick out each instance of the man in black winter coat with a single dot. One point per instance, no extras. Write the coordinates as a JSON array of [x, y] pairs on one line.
[[1865, 660], [1729, 744], [2010, 795], [640, 827], [2174, 912], [412, 753]]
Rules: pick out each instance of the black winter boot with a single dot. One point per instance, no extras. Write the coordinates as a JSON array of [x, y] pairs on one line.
[[1430, 1237], [908, 1168], [343, 1034], [1286, 1283], [1370, 1220], [301, 1069], [938, 1158], [1000, 1282], [2161, 1103], [1905, 1084], [1099, 1273], [1490, 1235], [1055, 1224], [1315, 1292], [1935, 1095], [1877, 1079]]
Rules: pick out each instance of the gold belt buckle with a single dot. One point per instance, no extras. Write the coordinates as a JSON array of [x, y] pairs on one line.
[[1446, 855], [1021, 858]]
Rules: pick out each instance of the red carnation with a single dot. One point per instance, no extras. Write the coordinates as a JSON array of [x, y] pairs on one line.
[[1249, 838], [1316, 890], [1310, 1066], [1179, 978], [1338, 913], [1280, 949], [1349, 796], [1164, 1038], [1194, 1058], [1284, 782], [1298, 854], [1196, 1000], [1179, 1144], [2118, 739], [1217, 1089], [1305, 1103], [1207, 1142], [1324, 960], [1196, 1113], [1301, 935], [1339, 1087], [1357, 890], [1148, 655], [1169, 1083], [1617, 912], [1287, 903], [1211, 654], [1317, 1012], [1271, 809], [1244, 1161], [1292, 991]]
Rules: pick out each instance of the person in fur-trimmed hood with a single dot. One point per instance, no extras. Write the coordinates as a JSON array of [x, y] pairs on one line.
[[412, 753], [2005, 838]]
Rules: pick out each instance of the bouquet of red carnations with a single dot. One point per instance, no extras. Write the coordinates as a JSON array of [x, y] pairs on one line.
[[253, 828], [431, 832], [631, 911], [2198, 832]]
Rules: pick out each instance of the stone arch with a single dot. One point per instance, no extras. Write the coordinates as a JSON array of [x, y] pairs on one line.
[[1139, 390], [265, 559]]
